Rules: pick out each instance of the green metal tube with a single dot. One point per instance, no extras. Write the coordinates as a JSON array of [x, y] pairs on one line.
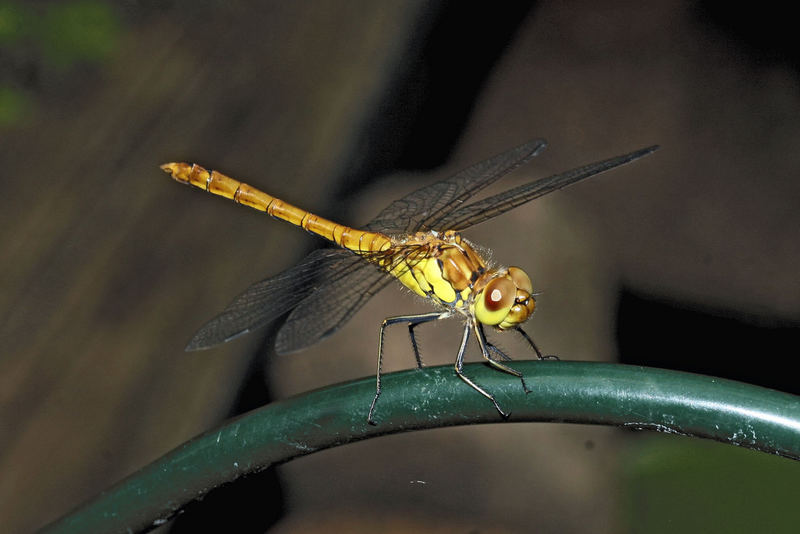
[[574, 392]]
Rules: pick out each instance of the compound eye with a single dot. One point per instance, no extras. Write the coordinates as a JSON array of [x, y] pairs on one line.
[[495, 301], [521, 279], [499, 294]]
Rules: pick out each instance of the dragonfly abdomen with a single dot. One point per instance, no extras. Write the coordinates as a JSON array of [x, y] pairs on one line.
[[216, 183]]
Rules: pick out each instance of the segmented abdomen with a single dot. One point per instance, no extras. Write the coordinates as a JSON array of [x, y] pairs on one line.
[[214, 182]]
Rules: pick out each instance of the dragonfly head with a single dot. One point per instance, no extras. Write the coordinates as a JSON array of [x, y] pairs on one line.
[[506, 300]]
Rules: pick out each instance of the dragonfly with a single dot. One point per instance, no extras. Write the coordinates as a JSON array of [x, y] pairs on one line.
[[415, 241]]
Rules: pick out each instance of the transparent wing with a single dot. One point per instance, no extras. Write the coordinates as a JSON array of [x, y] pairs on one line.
[[491, 207], [322, 292], [339, 296], [270, 298], [425, 208], [328, 308]]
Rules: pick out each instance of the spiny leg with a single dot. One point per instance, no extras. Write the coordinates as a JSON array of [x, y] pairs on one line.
[[494, 348], [411, 327], [534, 347], [412, 320], [486, 347], [459, 366]]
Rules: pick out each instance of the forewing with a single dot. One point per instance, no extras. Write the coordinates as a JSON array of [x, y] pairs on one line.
[[491, 207], [426, 208], [267, 300]]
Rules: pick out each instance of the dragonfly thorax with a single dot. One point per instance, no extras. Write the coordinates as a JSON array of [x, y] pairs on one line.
[[446, 268], [441, 266]]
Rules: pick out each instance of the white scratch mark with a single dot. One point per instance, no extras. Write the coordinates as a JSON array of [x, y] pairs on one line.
[[658, 427]]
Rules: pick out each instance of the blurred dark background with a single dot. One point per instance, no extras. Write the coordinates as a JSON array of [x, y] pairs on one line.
[[687, 259]]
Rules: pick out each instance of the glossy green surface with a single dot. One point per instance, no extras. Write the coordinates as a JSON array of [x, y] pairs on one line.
[[575, 392]]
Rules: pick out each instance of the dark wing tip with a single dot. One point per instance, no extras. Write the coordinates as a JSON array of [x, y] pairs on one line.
[[198, 342], [646, 151], [535, 147], [627, 158], [204, 340]]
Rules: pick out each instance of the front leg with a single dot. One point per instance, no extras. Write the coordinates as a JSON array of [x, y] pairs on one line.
[[459, 366], [534, 347], [486, 347]]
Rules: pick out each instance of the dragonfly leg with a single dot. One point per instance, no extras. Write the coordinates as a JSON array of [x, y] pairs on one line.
[[414, 345], [494, 348], [534, 347], [486, 347], [413, 321], [459, 366]]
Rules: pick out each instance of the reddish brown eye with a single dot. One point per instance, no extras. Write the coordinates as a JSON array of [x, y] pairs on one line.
[[495, 300], [499, 294]]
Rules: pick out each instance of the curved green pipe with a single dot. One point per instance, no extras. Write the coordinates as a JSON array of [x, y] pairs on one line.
[[574, 392]]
